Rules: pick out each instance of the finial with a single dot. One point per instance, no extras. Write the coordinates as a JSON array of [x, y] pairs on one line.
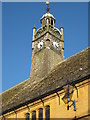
[[47, 3], [34, 26], [61, 26]]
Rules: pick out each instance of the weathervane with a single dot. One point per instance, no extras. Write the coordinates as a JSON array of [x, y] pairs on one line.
[[47, 3]]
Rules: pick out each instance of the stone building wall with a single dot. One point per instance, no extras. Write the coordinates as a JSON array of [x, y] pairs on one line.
[[58, 109]]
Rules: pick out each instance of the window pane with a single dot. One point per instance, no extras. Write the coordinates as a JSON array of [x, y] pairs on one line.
[[40, 114], [27, 116], [47, 112], [34, 115]]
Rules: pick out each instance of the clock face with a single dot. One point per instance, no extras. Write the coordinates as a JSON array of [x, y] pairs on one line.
[[55, 44], [40, 45]]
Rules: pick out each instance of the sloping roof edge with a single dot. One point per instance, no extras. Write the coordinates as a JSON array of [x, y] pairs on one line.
[[52, 91]]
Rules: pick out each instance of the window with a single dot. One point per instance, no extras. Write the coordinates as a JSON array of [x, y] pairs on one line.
[[47, 112], [27, 116], [40, 114], [49, 21], [52, 22], [34, 115]]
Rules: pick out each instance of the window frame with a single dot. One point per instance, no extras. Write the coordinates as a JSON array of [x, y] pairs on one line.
[[34, 116], [40, 118], [47, 116], [27, 116]]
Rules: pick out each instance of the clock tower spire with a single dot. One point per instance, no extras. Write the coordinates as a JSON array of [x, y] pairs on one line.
[[47, 46]]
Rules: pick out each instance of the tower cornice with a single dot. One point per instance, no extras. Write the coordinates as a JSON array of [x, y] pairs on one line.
[[46, 33]]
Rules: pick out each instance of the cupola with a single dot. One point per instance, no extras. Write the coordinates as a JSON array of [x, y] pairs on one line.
[[48, 18]]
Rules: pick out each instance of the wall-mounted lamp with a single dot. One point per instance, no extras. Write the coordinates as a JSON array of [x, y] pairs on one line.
[[68, 89], [67, 98]]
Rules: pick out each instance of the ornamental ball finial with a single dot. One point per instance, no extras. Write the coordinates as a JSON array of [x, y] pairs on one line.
[[47, 2]]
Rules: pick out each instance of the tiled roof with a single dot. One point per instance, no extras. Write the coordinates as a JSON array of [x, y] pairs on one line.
[[74, 69]]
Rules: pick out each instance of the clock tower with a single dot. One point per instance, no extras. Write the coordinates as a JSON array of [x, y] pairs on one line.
[[47, 46]]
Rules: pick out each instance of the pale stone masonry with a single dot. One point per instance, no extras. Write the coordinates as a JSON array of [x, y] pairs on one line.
[[47, 46]]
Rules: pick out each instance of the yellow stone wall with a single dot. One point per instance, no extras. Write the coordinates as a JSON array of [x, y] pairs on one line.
[[58, 110]]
